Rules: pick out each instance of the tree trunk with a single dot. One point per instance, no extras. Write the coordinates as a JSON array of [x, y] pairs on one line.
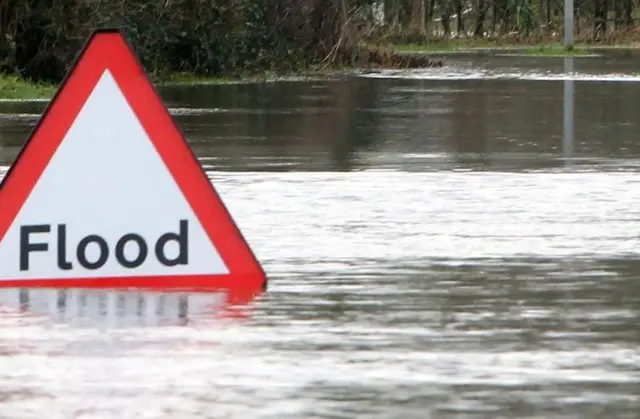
[[417, 17], [600, 19], [627, 11], [445, 16], [391, 10], [460, 17], [481, 10], [548, 21], [430, 14]]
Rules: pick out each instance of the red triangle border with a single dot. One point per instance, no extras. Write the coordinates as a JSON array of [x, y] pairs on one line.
[[108, 49]]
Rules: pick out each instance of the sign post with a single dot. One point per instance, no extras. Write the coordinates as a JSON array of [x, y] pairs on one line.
[[568, 24]]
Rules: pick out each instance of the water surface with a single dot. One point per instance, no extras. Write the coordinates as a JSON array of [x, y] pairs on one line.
[[433, 251]]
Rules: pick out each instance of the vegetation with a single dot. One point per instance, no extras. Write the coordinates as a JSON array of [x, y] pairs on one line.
[[12, 87], [39, 39], [454, 46], [231, 38], [511, 21]]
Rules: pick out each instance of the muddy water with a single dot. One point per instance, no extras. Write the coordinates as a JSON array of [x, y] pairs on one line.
[[435, 246]]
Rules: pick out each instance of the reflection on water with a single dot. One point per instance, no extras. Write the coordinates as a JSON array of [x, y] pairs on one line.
[[567, 112], [111, 309], [429, 249], [398, 123]]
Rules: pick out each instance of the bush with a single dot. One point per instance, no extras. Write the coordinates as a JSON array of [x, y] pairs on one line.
[[40, 38]]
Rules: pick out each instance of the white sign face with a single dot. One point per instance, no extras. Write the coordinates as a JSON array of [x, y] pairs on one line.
[[106, 206]]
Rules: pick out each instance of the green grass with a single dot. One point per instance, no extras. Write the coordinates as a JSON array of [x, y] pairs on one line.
[[239, 78], [187, 78], [493, 47], [553, 51], [12, 87]]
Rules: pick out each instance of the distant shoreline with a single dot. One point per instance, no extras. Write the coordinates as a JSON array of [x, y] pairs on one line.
[[417, 55], [499, 46]]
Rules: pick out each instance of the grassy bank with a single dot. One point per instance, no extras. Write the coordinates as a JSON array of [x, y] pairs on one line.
[[15, 88], [12, 87], [500, 46], [239, 78]]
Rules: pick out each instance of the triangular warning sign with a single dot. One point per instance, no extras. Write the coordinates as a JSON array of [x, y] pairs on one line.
[[107, 193]]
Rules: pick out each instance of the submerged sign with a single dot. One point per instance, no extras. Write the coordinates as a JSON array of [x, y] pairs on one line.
[[106, 193]]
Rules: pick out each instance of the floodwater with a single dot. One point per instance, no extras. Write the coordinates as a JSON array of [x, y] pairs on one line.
[[452, 243]]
